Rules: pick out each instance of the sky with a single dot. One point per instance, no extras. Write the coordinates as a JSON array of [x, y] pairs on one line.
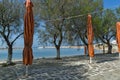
[[107, 4], [111, 3]]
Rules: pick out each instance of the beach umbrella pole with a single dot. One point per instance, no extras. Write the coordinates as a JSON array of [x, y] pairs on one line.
[[119, 55], [90, 59], [26, 72]]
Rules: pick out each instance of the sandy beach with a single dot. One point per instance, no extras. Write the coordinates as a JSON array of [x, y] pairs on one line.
[[104, 67]]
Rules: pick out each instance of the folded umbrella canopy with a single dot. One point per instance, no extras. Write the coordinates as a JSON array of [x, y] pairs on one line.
[[90, 38], [118, 36], [28, 33]]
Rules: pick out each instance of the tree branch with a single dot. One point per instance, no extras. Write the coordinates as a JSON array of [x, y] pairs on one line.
[[6, 39], [55, 37], [8, 31], [17, 38]]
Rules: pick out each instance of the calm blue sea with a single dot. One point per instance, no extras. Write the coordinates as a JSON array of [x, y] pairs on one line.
[[43, 53]]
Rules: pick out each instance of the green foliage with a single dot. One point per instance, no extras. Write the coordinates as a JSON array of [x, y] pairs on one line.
[[55, 14], [118, 13], [106, 30], [53, 31], [10, 18], [10, 23], [79, 25]]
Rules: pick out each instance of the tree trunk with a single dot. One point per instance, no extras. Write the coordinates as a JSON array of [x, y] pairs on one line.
[[58, 53], [9, 60], [86, 50], [109, 48], [103, 49]]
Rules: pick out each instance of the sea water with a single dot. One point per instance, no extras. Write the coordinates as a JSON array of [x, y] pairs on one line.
[[43, 53]]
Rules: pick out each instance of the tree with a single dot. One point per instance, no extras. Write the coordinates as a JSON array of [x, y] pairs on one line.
[[59, 26], [53, 14], [106, 31], [10, 24], [78, 27]]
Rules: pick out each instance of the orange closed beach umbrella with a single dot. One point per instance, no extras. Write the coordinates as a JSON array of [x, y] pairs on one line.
[[90, 38], [28, 34], [118, 36]]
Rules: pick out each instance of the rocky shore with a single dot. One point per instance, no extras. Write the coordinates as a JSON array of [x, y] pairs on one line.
[[104, 67]]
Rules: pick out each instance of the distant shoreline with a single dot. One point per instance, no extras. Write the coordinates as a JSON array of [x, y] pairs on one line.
[[7, 48], [61, 47], [46, 47]]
